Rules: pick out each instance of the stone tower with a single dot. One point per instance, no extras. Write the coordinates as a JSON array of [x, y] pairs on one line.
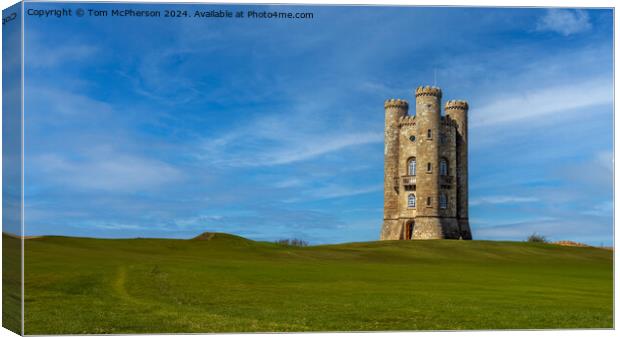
[[425, 182]]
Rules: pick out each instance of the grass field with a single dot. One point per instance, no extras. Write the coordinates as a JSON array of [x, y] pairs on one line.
[[229, 284]]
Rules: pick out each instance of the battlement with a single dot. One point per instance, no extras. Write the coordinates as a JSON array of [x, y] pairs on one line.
[[457, 105], [428, 91], [396, 103], [406, 120]]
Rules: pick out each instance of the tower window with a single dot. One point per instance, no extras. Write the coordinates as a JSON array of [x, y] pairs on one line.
[[443, 167], [443, 201], [412, 138], [428, 201], [411, 201], [429, 134], [411, 167], [429, 167]]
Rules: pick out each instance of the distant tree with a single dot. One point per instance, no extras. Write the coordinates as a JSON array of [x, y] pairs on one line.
[[537, 238], [292, 242]]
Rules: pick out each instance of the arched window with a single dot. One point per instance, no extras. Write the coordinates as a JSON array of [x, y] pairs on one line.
[[443, 167], [443, 201], [411, 201], [411, 167]]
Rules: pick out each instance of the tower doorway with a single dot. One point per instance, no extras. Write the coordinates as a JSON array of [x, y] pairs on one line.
[[409, 230]]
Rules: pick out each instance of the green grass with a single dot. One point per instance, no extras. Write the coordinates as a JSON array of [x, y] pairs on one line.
[[229, 284]]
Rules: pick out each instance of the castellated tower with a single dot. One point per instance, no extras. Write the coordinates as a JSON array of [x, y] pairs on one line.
[[425, 181]]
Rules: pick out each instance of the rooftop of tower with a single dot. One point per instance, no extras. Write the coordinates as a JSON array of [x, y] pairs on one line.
[[427, 91]]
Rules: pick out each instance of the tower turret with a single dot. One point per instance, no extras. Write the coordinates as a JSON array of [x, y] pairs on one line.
[[395, 109], [428, 118], [457, 111]]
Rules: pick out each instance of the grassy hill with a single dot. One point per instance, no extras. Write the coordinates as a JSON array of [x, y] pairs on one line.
[[224, 283]]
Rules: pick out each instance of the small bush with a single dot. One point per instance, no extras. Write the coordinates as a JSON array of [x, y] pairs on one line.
[[537, 238], [292, 242]]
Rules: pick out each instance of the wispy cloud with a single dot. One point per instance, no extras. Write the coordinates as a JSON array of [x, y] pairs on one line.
[[287, 183], [111, 226], [65, 103], [323, 145], [603, 209], [106, 171], [599, 177], [51, 57], [580, 229], [166, 77], [341, 191], [501, 199], [605, 159], [565, 21], [541, 103], [270, 142]]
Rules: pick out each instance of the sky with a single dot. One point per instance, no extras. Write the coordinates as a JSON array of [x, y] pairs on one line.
[[273, 128]]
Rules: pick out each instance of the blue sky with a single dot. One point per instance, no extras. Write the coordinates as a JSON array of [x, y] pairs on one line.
[[274, 128]]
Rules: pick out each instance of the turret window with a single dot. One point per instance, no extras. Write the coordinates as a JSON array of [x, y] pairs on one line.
[[443, 167], [411, 167], [429, 167], [429, 134], [411, 200], [428, 201], [443, 201]]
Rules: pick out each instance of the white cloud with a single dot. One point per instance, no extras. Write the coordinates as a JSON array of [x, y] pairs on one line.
[[110, 225], [280, 140], [329, 192], [598, 181], [501, 199], [539, 103], [565, 21], [45, 57], [580, 229], [333, 191], [107, 171], [603, 209], [304, 151], [66, 104], [605, 160], [286, 183]]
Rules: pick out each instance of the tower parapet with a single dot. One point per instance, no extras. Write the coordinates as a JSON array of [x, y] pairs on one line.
[[457, 105], [396, 103], [428, 91]]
